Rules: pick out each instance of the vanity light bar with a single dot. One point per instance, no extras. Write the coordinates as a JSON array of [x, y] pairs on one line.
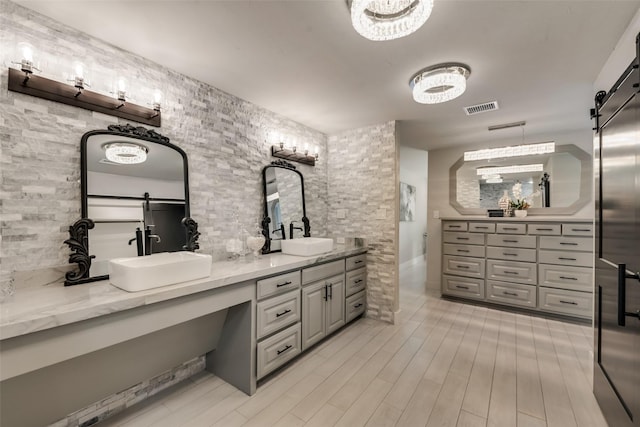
[[500, 170], [517, 150]]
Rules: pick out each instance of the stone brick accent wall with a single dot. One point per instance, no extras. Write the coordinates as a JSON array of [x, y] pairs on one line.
[[362, 172], [225, 138]]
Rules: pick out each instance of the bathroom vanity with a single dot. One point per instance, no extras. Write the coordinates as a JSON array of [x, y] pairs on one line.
[[63, 348], [538, 264]]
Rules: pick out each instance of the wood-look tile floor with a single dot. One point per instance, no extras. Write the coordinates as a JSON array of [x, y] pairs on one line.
[[443, 363]]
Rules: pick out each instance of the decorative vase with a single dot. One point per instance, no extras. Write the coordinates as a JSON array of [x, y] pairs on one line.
[[256, 241], [520, 213]]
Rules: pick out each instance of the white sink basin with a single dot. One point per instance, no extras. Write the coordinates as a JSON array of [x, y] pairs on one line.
[[307, 246], [161, 269]]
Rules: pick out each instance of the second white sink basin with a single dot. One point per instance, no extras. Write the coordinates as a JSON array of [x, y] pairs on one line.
[[307, 246], [161, 269]]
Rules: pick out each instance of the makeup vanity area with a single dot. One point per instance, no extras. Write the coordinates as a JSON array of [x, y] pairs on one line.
[[64, 348]]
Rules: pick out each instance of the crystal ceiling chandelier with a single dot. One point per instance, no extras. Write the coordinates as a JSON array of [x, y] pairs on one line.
[[126, 153], [439, 83], [389, 19]]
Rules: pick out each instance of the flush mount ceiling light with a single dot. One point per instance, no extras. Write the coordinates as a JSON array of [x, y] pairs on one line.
[[389, 19], [126, 153], [439, 83]]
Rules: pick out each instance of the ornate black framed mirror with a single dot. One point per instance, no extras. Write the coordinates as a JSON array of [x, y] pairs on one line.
[[285, 215], [135, 200]]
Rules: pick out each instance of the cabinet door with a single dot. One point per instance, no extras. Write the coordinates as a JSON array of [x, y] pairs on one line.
[[313, 313], [335, 303]]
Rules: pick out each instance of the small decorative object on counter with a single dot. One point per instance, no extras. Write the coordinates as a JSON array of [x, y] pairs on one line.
[[519, 207], [504, 202], [256, 241]]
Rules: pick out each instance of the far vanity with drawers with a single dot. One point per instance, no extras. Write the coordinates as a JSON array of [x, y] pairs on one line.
[[535, 264]]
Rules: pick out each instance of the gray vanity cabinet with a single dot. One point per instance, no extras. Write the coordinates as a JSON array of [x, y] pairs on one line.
[[355, 285], [539, 265], [323, 300], [277, 321]]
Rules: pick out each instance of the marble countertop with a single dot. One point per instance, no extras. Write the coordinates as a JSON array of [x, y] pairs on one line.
[[532, 218], [36, 308]]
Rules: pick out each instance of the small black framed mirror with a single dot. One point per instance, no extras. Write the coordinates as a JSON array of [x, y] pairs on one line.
[[285, 215], [135, 200]]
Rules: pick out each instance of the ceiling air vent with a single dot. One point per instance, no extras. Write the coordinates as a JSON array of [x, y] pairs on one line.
[[481, 108]]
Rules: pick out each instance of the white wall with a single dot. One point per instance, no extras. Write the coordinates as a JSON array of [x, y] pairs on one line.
[[440, 161], [413, 171], [620, 58]]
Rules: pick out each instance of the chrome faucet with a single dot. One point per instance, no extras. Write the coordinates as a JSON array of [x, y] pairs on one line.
[[291, 228]]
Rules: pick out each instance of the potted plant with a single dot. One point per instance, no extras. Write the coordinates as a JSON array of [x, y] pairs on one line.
[[519, 207]]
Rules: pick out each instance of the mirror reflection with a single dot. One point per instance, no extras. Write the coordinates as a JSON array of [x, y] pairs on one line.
[[136, 197], [556, 183], [284, 204]]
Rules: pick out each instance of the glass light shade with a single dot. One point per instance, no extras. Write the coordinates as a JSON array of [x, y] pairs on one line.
[[439, 85], [126, 153], [514, 151], [27, 53], [389, 19]]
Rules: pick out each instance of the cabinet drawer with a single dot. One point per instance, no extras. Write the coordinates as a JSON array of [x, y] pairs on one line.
[[355, 305], [278, 284], [454, 226], [356, 281], [278, 349], [512, 228], [469, 267], [577, 229], [511, 254], [580, 259], [545, 229], [277, 312], [463, 250], [574, 278], [482, 227], [357, 261], [567, 243], [319, 272], [511, 293], [463, 287], [511, 241], [566, 302], [466, 238], [512, 271]]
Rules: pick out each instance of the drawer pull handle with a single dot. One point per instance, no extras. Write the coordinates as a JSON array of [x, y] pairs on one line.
[[462, 266], [544, 229], [509, 254], [463, 250], [462, 287], [568, 302], [283, 284], [567, 259], [482, 227], [510, 241], [511, 294], [511, 272], [284, 349], [283, 313], [358, 281], [569, 243], [358, 305], [462, 238], [455, 226], [358, 261], [568, 278], [510, 228], [581, 229]]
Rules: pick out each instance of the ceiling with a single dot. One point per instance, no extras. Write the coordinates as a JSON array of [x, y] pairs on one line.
[[303, 59]]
